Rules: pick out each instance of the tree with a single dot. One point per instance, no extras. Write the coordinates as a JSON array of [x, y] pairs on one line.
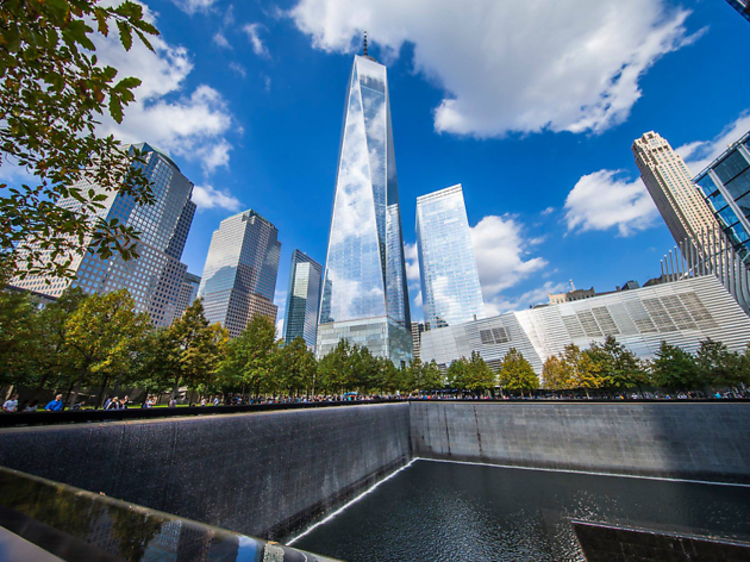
[[458, 374], [295, 367], [516, 373], [250, 358], [18, 338], [556, 374], [584, 372], [54, 93], [156, 362], [675, 369], [480, 378], [199, 345], [104, 334], [334, 368], [55, 365], [717, 365], [423, 376], [619, 367]]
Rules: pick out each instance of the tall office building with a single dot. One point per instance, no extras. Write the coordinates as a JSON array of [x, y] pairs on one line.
[[668, 180], [726, 185], [155, 277], [742, 6], [303, 299], [239, 278], [417, 329], [187, 294], [448, 269], [364, 290]]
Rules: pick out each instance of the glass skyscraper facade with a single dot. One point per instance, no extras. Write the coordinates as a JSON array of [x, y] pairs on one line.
[[365, 299], [303, 299], [726, 185], [742, 6], [154, 278], [188, 293], [239, 278], [451, 292]]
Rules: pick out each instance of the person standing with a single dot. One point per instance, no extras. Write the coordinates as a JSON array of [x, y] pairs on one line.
[[55, 405], [11, 405]]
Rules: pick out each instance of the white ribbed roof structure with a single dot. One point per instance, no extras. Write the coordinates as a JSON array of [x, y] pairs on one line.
[[682, 313]]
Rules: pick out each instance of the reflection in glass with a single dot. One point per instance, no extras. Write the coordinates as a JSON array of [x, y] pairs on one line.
[[364, 290]]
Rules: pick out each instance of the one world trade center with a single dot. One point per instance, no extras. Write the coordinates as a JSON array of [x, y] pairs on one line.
[[365, 299]]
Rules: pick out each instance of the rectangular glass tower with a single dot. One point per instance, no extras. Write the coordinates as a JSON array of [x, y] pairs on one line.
[[726, 185], [303, 299], [239, 278], [155, 277], [365, 299], [447, 266]]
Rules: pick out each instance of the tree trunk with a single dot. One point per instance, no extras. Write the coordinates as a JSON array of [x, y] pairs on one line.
[[102, 390]]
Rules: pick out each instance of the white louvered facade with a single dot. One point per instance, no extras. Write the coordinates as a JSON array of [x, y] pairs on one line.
[[682, 313]]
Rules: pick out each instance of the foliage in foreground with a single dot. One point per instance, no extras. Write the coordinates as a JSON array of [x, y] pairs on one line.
[[53, 94]]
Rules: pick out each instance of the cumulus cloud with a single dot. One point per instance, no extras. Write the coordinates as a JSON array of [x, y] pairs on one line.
[[195, 6], [602, 200], [187, 124], [253, 34], [502, 256], [699, 154], [208, 197], [512, 66]]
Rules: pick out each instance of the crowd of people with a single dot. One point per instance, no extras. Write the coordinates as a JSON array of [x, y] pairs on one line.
[[113, 403]]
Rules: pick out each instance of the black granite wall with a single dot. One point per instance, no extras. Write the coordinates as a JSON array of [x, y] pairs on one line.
[[708, 441], [263, 474]]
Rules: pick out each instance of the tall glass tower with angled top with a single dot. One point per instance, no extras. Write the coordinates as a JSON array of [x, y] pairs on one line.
[[365, 299]]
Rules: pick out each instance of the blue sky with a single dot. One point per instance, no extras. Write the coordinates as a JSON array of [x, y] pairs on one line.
[[532, 106]]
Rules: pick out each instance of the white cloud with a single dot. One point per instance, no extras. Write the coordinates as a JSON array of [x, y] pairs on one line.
[[600, 201], [238, 68], [512, 66], [208, 197], [253, 34], [501, 252], [164, 114], [699, 154], [267, 83], [539, 295], [548, 211], [194, 6], [15, 175], [221, 40], [280, 328]]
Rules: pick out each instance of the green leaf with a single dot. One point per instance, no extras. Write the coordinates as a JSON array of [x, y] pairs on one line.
[[115, 108], [126, 37]]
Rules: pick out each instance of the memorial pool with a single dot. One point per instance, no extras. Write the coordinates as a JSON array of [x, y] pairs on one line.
[[442, 511]]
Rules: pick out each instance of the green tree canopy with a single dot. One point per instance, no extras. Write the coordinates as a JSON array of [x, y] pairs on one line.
[[617, 365], [250, 358], [516, 373], [18, 341], [675, 369], [54, 93], [104, 335]]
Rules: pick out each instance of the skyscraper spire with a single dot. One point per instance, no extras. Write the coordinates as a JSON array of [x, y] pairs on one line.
[[365, 53]]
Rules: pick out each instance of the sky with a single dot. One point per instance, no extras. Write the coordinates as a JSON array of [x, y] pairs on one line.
[[532, 106]]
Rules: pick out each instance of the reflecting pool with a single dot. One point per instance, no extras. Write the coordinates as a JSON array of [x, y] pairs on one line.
[[440, 511]]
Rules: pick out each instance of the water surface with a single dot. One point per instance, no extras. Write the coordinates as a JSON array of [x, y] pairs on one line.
[[440, 511]]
